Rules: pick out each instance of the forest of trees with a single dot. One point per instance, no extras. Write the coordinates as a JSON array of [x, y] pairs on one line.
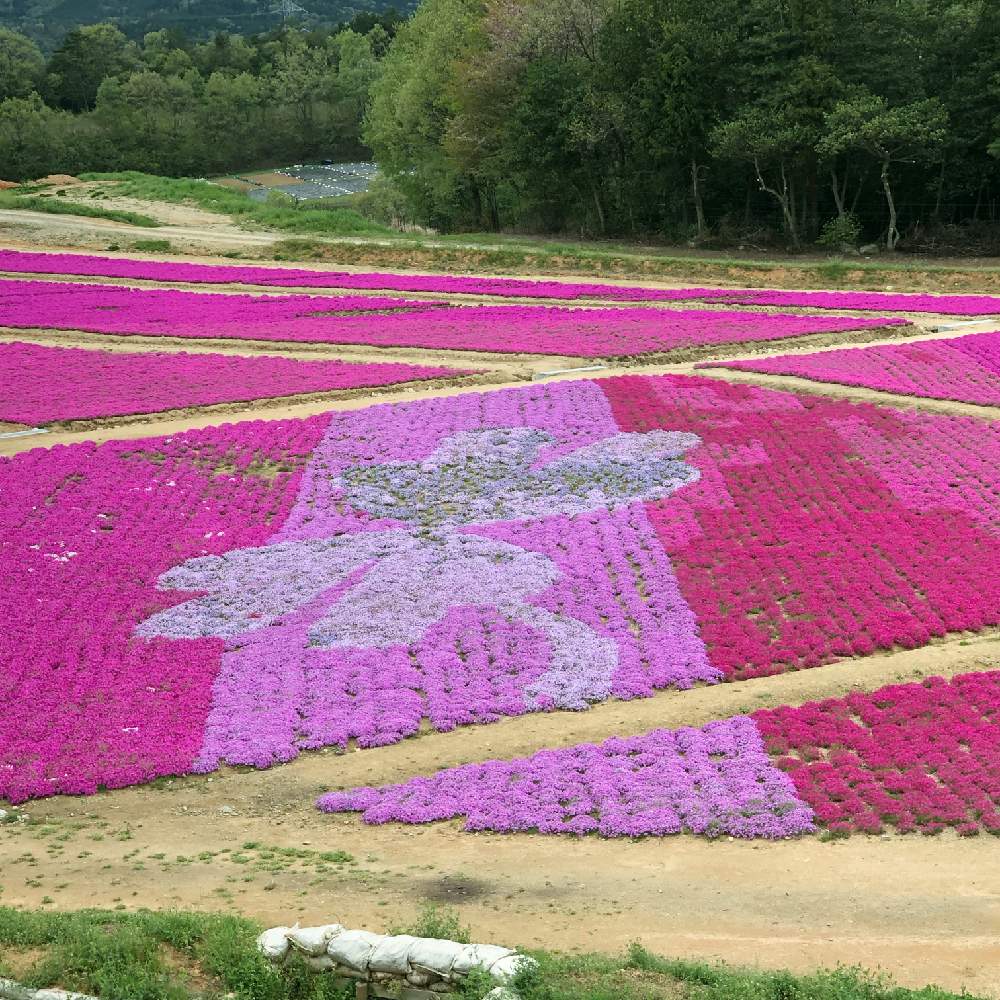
[[171, 106], [735, 121], [746, 120]]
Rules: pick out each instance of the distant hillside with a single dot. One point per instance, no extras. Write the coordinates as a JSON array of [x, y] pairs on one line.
[[48, 20]]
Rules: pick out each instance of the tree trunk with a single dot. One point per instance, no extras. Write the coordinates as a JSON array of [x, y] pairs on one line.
[[785, 198], [598, 206], [892, 234], [839, 191], [699, 208]]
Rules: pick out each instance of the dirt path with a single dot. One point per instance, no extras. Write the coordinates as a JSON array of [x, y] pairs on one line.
[[925, 909]]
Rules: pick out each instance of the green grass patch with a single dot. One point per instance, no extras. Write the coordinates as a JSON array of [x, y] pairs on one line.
[[152, 246], [307, 218], [53, 206], [196, 956]]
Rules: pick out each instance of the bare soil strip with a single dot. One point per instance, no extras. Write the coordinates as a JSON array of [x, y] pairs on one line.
[[926, 909]]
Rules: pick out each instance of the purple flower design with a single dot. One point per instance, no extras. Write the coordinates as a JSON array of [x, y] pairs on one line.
[[427, 610]]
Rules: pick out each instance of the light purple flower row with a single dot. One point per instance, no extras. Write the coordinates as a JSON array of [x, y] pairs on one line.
[[717, 780], [47, 384], [545, 330], [966, 369]]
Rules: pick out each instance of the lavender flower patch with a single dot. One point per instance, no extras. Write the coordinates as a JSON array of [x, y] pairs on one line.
[[714, 781]]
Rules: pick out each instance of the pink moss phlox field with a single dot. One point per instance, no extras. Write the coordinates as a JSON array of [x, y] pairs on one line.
[[965, 369], [15, 261], [84, 265], [46, 384], [114, 309], [821, 528], [913, 756], [86, 532], [899, 302], [715, 781], [456, 560], [244, 593]]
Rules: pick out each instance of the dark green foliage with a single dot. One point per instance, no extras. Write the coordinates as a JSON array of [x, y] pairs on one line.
[[753, 121]]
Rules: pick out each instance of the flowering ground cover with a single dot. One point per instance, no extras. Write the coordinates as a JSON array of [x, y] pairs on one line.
[[948, 305], [715, 781], [84, 265], [913, 756], [114, 309], [243, 593], [20, 262], [966, 369], [47, 384]]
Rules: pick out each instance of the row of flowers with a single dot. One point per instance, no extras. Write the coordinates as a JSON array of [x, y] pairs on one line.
[[47, 384], [821, 528], [966, 369], [914, 757], [717, 780], [22, 262], [241, 593], [546, 330]]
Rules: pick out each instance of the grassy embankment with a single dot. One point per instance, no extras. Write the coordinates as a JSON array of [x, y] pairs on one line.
[[12, 199], [189, 956], [302, 218]]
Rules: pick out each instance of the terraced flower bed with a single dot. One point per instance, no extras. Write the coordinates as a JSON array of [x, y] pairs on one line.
[[85, 265], [48, 384], [245, 592], [379, 322], [965, 369], [913, 757]]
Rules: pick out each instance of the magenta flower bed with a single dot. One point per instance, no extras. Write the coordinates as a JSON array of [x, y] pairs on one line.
[[243, 593], [509, 329], [46, 384], [20, 262], [966, 369], [949, 305], [913, 756], [714, 781]]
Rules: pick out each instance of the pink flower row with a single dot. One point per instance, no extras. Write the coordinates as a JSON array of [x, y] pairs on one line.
[[47, 384], [20, 262], [822, 529], [114, 309], [913, 756], [966, 369]]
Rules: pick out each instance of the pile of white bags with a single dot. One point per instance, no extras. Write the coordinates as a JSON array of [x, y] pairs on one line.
[[428, 963]]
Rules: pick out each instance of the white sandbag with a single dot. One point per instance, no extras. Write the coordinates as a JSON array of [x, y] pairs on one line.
[[392, 954], [478, 956], [319, 963], [506, 968], [419, 979], [313, 940], [353, 948], [434, 955], [273, 943]]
